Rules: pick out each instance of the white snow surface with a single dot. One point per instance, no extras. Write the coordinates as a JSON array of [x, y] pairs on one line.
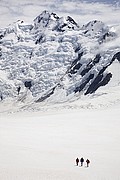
[[43, 145], [40, 141]]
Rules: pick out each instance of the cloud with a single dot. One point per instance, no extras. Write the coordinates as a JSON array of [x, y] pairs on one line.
[[82, 12]]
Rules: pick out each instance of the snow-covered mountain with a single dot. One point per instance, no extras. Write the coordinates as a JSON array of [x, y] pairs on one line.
[[56, 57]]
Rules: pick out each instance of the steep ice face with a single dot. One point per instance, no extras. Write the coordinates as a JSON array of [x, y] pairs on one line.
[[55, 55], [42, 20], [95, 28]]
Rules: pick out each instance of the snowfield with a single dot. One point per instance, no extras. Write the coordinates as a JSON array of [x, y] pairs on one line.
[[41, 141], [36, 146]]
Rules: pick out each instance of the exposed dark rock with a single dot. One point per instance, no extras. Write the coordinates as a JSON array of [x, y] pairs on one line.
[[60, 27], [97, 59], [0, 52], [18, 90], [117, 56], [39, 40], [77, 49], [105, 80], [75, 68], [91, 64], [1, 36], [46, 95], [76, 64], [94, 84], [86, 70], [72, 21], [81, 87], [95, 21], [55, 16], [99, 81], [85, 32], [28, 84]]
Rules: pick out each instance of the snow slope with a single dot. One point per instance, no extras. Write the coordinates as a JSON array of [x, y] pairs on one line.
[[35, 146]]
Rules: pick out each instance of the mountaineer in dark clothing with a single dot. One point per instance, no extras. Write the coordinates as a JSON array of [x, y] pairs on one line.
[[88, 162], [77, 161], [82, 161]]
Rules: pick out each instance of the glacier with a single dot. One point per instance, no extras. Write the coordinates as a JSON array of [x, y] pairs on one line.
[[55, 55]]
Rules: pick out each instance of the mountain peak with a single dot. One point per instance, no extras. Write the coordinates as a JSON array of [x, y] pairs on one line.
[[95, 28], [43, 19]]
